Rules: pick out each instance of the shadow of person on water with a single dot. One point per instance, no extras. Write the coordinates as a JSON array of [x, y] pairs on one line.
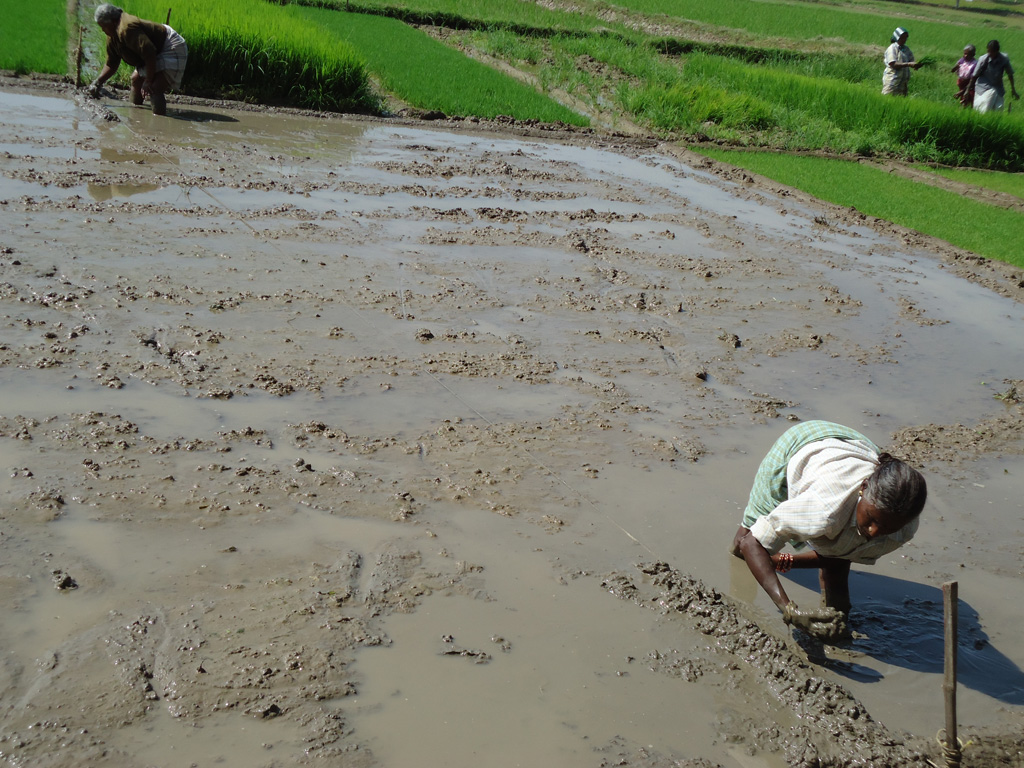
[[901, 623]]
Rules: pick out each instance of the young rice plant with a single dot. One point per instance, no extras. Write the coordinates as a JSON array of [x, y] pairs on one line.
[[34, 37], [256, 51]]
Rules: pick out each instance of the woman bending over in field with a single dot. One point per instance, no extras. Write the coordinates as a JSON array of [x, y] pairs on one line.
[[829, 488], [157, 52]]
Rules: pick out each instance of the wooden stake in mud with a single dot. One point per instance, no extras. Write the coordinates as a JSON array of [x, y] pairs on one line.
[[951, 747], [78, 59]]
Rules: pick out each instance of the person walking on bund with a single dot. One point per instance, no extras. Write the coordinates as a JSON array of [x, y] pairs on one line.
[[987, 80], [828, 488]]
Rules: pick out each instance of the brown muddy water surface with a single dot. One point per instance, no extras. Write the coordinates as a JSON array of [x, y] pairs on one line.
[[379, 443]]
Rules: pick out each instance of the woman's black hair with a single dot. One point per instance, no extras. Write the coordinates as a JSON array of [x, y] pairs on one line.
[[896, 489]]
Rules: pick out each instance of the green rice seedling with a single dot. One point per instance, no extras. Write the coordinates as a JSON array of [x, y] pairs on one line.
[[624, 54], [1007, 183], [812, 21], [778, 104], [502, 44], [427, 74], [253, 50], [517, 15], [909, 127], [34, 37], [984, 229], [695, 106]]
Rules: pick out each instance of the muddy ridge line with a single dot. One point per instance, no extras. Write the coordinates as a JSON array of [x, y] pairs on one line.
[[835, 730]]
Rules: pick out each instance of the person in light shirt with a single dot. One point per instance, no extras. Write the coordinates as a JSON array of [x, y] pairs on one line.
[[987, 79], [964, 70], [899, 60], [829, 489]]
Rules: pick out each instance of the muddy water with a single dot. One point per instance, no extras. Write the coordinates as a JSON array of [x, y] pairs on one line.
[[343, 428]]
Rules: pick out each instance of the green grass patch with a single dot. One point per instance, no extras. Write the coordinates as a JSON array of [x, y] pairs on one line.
[[508, 46], [34, 37], [867, 25], [515, 15], [983, 229], [775, 106], [1008, 183], [427, 74], [255, 51]]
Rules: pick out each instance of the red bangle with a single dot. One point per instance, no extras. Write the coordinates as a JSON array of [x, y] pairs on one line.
[[785, 562]]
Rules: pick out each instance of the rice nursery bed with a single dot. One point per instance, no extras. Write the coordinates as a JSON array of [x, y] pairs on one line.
[[34, 37], [428, 74]]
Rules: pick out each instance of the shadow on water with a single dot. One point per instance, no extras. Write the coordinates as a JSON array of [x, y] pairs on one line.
[[900, 623], [198, 116]]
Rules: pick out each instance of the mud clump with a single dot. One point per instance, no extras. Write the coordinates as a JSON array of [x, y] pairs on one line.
[[830, 727]]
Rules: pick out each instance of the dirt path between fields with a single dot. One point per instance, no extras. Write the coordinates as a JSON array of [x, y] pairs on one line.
[[363, 442]]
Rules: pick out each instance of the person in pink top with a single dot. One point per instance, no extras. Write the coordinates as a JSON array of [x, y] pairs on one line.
[[964, 72]]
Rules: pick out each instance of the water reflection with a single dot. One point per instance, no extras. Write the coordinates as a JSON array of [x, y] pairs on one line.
[[900, 622], [118, 155], [110, 191]]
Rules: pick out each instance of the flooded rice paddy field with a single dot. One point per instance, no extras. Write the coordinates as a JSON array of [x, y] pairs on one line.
[[378, 443]]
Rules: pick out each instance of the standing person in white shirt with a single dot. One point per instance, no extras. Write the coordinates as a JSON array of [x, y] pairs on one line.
[[829, 488], [899, 60]]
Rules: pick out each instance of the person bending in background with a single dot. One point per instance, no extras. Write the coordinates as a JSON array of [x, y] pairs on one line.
[[987, 80], [157, 52], [964, 69], [828, 487], [899, 60]]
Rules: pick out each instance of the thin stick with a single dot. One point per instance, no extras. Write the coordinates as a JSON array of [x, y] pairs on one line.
[[78, 59], [949, 600]]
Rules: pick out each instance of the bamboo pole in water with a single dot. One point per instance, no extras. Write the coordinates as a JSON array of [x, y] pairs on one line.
[[951, 747]]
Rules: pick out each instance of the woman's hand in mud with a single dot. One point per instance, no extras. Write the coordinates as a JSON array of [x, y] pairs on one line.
[[822, 623]]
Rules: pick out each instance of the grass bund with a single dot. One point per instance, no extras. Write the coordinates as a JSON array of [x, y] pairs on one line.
[[1007, 183], [986, 230]]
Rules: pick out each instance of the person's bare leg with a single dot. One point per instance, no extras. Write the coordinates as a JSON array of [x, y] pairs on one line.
[[735, 548], [156, 94], [834, 578], [136, 94], [159, 102]]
